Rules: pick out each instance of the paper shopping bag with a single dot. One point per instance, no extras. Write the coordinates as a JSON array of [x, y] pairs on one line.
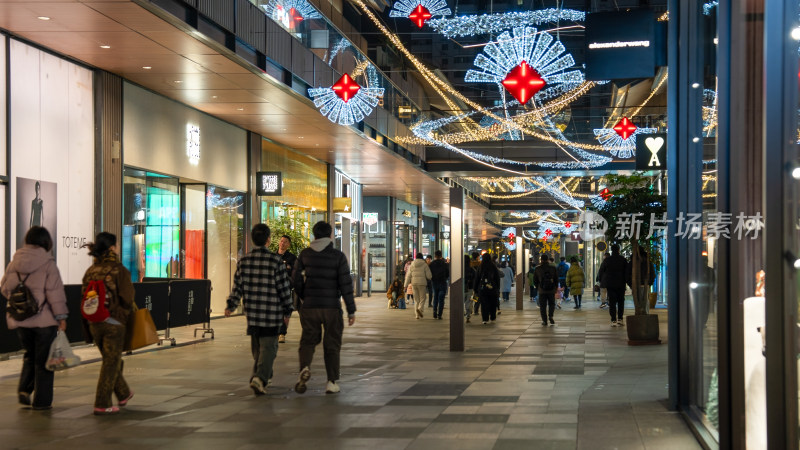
[[141, 330]]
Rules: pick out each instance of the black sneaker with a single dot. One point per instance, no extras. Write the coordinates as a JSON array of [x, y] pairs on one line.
[[544, 323], [552, 322], [24, 398]]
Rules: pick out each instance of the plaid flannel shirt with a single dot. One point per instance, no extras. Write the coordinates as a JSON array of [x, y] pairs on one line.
[[262, 284]]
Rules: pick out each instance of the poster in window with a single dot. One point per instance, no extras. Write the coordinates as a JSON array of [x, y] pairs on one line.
[[37, 205]]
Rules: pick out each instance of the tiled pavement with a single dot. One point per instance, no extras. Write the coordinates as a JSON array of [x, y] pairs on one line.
[[517, 386]]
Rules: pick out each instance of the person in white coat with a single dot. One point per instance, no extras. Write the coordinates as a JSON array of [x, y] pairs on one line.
[[417, 277]]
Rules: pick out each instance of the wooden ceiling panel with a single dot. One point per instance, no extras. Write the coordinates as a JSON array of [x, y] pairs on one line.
[[219, 64], [22, 17], [136, 18]]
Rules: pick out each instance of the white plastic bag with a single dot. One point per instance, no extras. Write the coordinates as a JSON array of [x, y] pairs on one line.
[[61, 356]]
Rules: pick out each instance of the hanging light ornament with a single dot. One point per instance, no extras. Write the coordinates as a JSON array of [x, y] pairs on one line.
[[346, 102], [511, 242], [509, 56], [462, 26], [419, 11], [620, 140]]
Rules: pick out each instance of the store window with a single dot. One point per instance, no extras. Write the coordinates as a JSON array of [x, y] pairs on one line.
[[375, 237], [226, 237], [150, 225]]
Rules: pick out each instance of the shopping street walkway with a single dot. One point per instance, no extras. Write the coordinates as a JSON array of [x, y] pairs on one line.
[[517, 386]]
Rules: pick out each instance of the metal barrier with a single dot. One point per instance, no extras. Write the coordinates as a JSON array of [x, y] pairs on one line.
[[172, 303]]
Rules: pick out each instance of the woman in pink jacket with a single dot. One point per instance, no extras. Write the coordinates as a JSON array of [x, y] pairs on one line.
[[35, 264]]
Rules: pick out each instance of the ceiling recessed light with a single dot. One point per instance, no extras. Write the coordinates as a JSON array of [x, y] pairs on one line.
[[147, 67], [178, 81], [213, 96], [240, 109], [284, 129], [300, 137], [43, 18], [105, 46]]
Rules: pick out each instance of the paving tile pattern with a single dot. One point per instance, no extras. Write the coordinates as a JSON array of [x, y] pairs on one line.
[[518, 385]]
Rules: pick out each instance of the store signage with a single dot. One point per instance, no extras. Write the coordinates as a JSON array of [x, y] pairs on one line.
[[575, 236], [342, 205], [193, 143], [621, 45], [369, 218], [269, 183], [406, 213], [651, 151]]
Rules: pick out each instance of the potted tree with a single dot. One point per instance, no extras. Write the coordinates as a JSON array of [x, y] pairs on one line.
[[628, 212]]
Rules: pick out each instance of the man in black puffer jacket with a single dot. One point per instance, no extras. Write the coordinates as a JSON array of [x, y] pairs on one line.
[[321, 276]]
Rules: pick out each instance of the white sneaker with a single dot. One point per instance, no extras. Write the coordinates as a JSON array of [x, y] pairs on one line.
[[281, 339], [305, 374], [257, 386], [620, 323], [332, 388], [613, 323]]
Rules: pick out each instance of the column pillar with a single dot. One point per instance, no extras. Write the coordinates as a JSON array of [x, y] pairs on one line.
[[520, 270], [456, 269]]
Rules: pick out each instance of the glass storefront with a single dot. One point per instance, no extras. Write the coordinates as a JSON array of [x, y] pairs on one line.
[[226, 239]]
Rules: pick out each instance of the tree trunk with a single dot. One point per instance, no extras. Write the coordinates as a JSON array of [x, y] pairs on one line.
[[636, 277]]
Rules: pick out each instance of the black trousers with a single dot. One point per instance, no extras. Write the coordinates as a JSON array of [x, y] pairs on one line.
[[547, 304], [34, 377], [326, 326], [616, 303]]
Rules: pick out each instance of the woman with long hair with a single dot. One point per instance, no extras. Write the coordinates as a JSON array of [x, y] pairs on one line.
[[34, 265], [487, 285], [109, 335]]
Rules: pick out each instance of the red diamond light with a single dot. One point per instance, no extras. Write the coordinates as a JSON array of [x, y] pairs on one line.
[[548, 232], [346, 88], [605, 194], [523, 82], [420, 15], [567, 224], [294, 18], [625, 128], [511, 237]]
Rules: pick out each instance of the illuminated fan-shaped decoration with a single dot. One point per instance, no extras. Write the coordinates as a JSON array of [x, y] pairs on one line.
[[540, 51], [419, 11], [616, 145], [290, 12], [346, 102], [511, 238]]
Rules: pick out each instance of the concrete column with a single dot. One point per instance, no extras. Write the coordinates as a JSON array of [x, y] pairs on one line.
[[520, 268], [456, 269]]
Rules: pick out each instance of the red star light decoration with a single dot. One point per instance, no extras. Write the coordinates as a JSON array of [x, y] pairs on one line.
[[567, 224], [625, 128], [605, 194], [511, 237], [346, 88], [420, 15], [548, 232], [523, 82]]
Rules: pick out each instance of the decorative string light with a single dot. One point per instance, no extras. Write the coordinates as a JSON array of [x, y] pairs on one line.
[[280, 11], [616, 145], [340, 107], [511, 243], [490, 23]]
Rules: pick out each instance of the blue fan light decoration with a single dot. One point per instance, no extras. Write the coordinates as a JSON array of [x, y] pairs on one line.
[[616, 145], [510, 241], [346, 102]]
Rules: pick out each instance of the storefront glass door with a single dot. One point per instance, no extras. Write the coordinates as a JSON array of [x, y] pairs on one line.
[[225, 225]]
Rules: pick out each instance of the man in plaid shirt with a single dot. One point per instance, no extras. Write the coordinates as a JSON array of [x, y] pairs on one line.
[[262, 284]]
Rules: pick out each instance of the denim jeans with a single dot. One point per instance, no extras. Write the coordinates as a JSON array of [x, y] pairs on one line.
[[34, 378], [264, 349], [439, 291]]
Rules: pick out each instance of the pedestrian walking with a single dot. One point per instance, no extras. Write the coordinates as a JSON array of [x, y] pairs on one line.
[[262, 285], [417, 277], [440, 272], [546, 280], [322, 279], [487, 285], [34, 266], [613, 277], [109, 335], [576, 281]]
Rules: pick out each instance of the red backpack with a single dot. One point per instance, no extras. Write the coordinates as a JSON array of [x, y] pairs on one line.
[[94, 304]]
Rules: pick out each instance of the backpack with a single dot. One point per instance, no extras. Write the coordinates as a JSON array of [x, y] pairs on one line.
[[486, 284], [95, 301], [548, 280], [21, 304]]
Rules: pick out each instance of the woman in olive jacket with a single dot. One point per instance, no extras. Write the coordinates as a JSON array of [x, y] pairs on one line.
[[34, 263], [109, 335]]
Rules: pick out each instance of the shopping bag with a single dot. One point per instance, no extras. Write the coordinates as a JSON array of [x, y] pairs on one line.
[[141, 330], [61, 356]]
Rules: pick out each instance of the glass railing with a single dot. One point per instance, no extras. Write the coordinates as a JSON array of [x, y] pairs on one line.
[[303, 22]]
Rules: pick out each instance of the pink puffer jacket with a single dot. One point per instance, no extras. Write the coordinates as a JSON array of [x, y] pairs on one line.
[[44, 283]]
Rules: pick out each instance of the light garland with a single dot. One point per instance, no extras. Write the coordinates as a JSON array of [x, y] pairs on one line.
[[508, 233], [346, 112], [490, 23]]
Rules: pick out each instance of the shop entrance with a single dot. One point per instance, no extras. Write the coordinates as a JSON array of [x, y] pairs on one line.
[[193, 234]]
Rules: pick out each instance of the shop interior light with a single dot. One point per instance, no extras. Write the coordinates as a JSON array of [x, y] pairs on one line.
[[796, 173], [693, 285], [796, 34], [797, 263]]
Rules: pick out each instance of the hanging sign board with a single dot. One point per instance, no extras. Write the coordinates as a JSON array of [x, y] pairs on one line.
[[342, 205], [651, 151], [370, 218]]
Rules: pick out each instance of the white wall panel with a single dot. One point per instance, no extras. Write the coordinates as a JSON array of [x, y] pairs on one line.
[[52, 142], [154, 138]]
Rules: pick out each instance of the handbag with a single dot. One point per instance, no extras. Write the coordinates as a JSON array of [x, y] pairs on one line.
[[141, 330]]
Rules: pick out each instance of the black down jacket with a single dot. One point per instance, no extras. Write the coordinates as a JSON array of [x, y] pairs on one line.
[[321, 276]]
